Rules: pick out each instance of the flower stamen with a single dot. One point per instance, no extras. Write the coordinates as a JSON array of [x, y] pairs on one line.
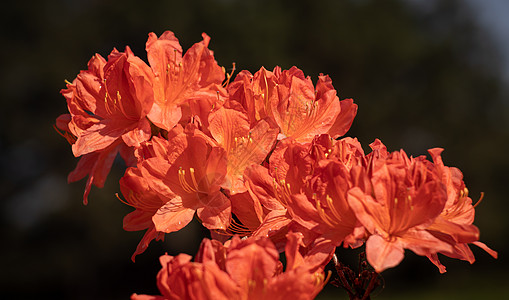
[[321, 212], [183, 182], [480, 199]]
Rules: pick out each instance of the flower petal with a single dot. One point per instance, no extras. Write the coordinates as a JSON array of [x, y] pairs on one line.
[[345, 118], [98, 136], [134, 137], [172, 217], [382, 254], [216, 213]]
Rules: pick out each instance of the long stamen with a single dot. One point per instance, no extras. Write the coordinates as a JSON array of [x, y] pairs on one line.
[[408, 202], [285, 192], [183, 181], [279, 193], [193, 178], [333, 209], [275, 187], [119, 98], [107, 100], [266, 95], [106, 103], [321, 280], [322, 214], [228, 76], [122, 200], [282, 189], [236, 227], [480, 199], [135, 202]]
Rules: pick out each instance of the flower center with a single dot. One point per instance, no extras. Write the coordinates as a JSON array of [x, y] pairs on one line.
[[194, 188], [333, 218]]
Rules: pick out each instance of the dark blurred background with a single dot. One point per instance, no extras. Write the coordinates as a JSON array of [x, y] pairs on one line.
[[424, 74]]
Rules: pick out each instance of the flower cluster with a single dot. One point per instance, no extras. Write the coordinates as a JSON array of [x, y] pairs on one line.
[[258, 156], [242, 269]]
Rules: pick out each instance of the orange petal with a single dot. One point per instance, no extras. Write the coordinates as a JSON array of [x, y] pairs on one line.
[[227, 124], [345, 118], [382, 254], [483, 246], [252, 149], [98, 137], [217, 213], [172, 217], [134, 137], [300, 113]]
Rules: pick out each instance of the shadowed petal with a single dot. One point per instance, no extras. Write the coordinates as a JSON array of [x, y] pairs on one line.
[[216, 214], [382, 254], [97, 137]]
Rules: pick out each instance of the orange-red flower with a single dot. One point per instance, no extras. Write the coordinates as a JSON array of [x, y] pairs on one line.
[[454, 224], [244, 145], [118, 103], [262, 209], [180, 81], [180, 177], [244, 269], [108, 104], [319, 176], [180, 278], [302, 111], [147, 202], [255, 93], [289, 101], [405, 197]]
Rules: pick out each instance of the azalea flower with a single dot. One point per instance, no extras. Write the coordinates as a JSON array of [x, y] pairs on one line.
[[108, 104], [244, 145], [261, 210], [255, 93], [288, 100], [147, 202], [184, 86], [303, 111], [454, 224], [318, 177], [118, 103], [173, 180], [406, 196], [242, 269]]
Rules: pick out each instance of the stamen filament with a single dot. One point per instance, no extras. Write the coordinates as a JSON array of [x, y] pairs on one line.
[[137, 204], [193, 178], [229, 76], [323, 216], [332, 208], [480, 199], [183, 182]]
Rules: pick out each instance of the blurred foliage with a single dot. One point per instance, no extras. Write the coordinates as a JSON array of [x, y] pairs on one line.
[[423, 73]]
